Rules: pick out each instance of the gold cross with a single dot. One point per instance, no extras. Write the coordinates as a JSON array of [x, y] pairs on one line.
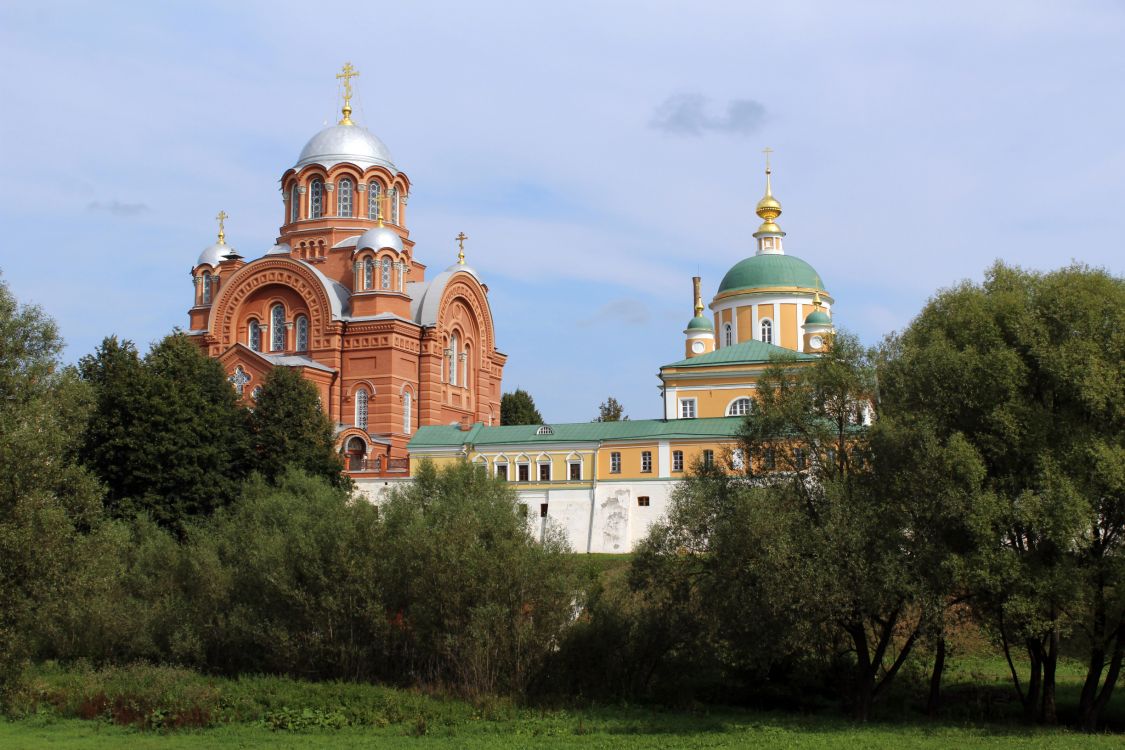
[[461, 245], [767, 151], [222, 217], [347, 75]]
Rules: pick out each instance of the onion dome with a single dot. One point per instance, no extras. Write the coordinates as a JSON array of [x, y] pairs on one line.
[[818, 318], [700, 323], [378, 238], [768, 208], [763, 271], [350, 143], [218, 252]]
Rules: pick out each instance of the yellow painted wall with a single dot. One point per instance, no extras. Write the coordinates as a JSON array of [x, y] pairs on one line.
[[745, 323], [714, 403], [630, 460], [788, 325]]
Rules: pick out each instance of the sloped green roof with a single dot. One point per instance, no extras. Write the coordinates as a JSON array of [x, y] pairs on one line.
[[437, 436], [747, 353], [771, 270]]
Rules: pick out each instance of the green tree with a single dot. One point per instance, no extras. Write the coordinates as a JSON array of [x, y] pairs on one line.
[[475, 600], [611, 410], [167, 436], [290, 429], [1027, 367], [518, 407], [45, 496]]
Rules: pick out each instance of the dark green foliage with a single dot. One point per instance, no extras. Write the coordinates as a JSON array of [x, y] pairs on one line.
[[290, 429], [44, 494], [167, 435], [611, 410], [518, 407], [472, 598], [1028, 367]]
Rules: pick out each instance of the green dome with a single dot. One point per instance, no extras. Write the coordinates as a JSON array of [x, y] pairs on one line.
[[700, 323], [771, 270], [818, 317]]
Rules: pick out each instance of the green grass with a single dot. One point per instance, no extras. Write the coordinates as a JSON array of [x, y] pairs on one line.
[[172, 708]]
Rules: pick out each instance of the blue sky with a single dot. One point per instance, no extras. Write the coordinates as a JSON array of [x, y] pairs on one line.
[[597, 154]]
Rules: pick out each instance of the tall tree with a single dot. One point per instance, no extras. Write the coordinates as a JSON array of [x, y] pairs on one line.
[[168, 436], [290, 428], [611, 410], [1027, 367], [518, 407], [45, 496]]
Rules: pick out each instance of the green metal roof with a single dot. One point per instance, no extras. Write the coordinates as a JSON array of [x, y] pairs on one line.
[[438, 436], [747, 353], [818, 317], [759, 271], [699, 323]]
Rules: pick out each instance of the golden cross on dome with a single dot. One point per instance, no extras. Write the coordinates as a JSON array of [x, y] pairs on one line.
[[222, 217], [461, 247], [347, 75], [767, 151]]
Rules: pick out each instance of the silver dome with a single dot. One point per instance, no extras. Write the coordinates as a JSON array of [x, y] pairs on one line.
[[346, 143], [213, 255], [378, 238]]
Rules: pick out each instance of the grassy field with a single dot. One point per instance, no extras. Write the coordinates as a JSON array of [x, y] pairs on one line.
[[170, 708]]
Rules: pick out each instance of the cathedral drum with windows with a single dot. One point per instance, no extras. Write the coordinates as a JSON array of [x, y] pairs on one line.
[[342, 298]]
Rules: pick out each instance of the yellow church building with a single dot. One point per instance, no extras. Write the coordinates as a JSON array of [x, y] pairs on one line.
[[604, 483]]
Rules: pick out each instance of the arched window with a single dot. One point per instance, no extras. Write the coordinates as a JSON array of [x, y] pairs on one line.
[[385, 276], [369, 273], [206, 287], [393, 195], [407, 418], [254, 336], [740, 407], [728, 335], [361, 408], [277, 328], [374, 193], [294, 203], [767, 331], [356, 451], [316, 199], [344, 197], [302, 333], [454, 350]]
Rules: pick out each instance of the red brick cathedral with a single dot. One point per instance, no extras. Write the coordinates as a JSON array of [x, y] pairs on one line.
[[342, 298]]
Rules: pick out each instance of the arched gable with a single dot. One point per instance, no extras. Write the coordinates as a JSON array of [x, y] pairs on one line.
[[277, 270], [466, 291]]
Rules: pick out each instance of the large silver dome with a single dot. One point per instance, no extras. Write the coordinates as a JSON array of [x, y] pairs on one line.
[[346, 143]]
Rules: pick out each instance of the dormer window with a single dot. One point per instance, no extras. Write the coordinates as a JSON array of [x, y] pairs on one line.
[[316, 199], [344, 198], [545, 430]]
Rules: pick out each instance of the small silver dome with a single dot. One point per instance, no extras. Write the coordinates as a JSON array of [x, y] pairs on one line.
[[464, 267], [378, 238], [213, 255], [346, 143], [282, 249]]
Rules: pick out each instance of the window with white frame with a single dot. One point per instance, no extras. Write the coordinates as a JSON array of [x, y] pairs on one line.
[[277, 328], [646, 462], [574, 470], [728, 335], [614, 463], [316, 199], [523, 471], [502, 469], [361, 398], [302, 333], [545, 471], [677, 460], [708, 457], [687, 408], [740, 407], [767, 331], [344, 197]]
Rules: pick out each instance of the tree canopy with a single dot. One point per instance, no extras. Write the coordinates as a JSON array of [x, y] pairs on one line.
[[518, 407], [611, 410]]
